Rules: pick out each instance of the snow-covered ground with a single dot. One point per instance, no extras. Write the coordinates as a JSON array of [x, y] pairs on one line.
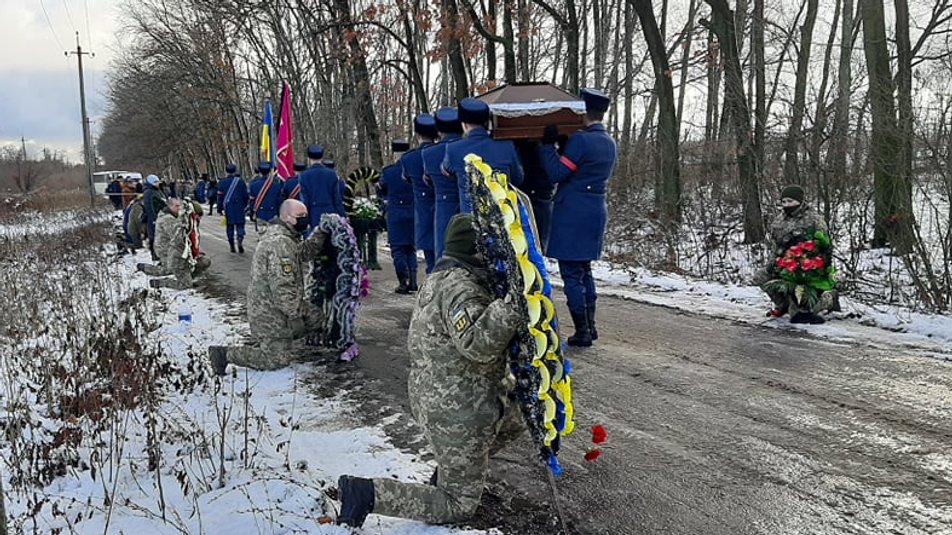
[[879, 325], [253, 452]]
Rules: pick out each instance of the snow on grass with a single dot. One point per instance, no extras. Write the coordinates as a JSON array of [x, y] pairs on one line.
[[42, 224], [253, 452], [886, 325]]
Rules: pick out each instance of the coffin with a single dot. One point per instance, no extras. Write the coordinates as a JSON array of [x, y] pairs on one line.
[[523, 110]]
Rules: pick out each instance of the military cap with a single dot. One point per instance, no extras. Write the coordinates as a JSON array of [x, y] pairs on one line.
[[399, 145], [447, 120], [315, 151], [327, 162], [264, 167], [231, 168], [425, 125], [595, 100], [792, 192], [299, 166], [472, 111]]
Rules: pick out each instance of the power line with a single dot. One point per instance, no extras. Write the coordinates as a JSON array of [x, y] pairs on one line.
[[68, 16], [50, 24], [89, 34]]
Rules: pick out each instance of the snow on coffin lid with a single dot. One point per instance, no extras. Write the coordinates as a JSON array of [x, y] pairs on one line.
[[522, 110]]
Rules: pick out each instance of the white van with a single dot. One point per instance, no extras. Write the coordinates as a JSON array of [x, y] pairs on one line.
[[102, 179]]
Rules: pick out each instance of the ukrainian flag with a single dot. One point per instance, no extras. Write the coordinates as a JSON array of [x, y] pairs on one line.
[[267, 135]]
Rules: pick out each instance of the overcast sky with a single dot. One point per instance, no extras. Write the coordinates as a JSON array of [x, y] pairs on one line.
[[39, 95]]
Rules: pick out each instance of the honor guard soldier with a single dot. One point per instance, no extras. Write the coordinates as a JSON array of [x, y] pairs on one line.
[[580, 210], [233, 202], [498, 154], [424, 193], [398, 194], [291, 188], [320, 187], [266, 198]]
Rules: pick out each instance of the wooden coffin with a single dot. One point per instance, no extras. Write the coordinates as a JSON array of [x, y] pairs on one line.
[[523, 110]]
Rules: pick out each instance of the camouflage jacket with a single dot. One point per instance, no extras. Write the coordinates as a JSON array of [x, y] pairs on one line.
[[168, 233], [787, 229], [276, 291], [457, 341]]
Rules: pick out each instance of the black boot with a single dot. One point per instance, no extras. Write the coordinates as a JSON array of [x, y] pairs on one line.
[[412, 284], [402, 289], [582, 336], [241, 248], [231, 244], [590, 312], [356, 500]]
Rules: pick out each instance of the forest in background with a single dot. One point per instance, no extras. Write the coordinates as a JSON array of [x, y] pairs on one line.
[[717, 104]]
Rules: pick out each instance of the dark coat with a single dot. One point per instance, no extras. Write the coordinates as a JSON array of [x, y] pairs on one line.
[[321, 192], [400, 214], [235, 206], [499, 154], [414, 172]]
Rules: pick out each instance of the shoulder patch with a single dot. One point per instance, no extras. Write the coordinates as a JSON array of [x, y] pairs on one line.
[[287, 267], [460, 319]]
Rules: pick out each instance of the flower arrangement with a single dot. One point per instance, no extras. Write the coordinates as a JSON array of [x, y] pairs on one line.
[[365, 208], [805, 270]]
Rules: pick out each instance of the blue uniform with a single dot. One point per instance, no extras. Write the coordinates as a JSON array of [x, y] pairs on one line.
[[200, 191], [265, 197], [321, 192], [400, 214], [445, 189], [538, 188], [580, 209], [290, 188], [498, 154], [413, 166], [233, 202]]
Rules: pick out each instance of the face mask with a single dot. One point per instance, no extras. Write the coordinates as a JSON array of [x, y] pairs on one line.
[[790, 210], [301, 223]]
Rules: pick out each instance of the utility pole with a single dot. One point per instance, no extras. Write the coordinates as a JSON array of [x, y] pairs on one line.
[[87, 154]]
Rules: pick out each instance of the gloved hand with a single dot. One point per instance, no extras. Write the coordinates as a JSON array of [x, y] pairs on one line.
[[550, 135]]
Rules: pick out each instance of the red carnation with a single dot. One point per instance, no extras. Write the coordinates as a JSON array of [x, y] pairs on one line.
[[809, 246], [599, 434], [807, 264], [796, 250], [819, 263], [592, 454]]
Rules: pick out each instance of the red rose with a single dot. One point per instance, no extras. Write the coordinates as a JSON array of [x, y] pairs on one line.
[[819, 263], [807, 264], [796, 250], [592, 454], [809, 246], [599, 434], [781, 262]]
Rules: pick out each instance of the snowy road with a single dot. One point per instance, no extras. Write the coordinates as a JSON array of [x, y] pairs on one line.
[[715, 427]]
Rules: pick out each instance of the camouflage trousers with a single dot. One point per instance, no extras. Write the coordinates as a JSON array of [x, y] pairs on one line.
[[782, 301], [276, 344], [182, 274], [462, 456]]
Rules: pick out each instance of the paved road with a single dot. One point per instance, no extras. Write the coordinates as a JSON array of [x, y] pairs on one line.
[[714, 427]]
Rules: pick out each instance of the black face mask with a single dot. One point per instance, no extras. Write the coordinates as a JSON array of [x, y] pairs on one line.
[[301, 223], [790, 210]]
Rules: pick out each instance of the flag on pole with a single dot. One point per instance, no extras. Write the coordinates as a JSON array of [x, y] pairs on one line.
[[285, 147], [267, 135]]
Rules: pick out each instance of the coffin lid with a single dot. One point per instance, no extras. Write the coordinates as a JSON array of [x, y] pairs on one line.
[[530, 98]]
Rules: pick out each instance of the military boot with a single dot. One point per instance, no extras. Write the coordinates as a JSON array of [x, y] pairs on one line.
[[218, 357], [231, 244], [356, 500], [582, 336], [403, 288], [412, 284], [590, 312], [241, 248]]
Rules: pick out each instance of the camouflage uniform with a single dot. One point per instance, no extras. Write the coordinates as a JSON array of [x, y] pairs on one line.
[[171, 241], [458, 387], [279, 313], [785, 231]]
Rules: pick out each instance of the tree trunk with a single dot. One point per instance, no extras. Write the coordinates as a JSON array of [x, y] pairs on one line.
[[904, 90], [722, 23], [686, 58], [628, 89], [791, 167], [713, 88], [892, 189], [841, 117], [667, 159], [760, 87], [451, 24], [416, 80], [525, 68], [490, 44]]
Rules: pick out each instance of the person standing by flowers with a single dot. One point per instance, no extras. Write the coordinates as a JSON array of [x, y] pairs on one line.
[[799, 275]]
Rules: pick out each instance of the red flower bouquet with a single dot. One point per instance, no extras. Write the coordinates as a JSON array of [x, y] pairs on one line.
[[805, 271]]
